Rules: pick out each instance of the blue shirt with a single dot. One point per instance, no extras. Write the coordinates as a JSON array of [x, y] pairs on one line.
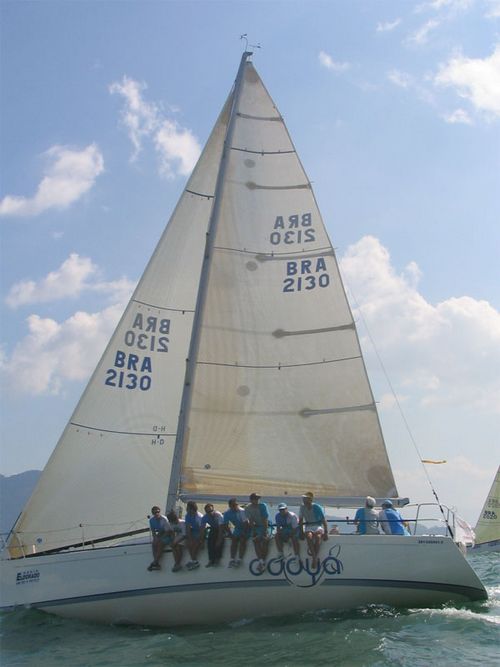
[[212, 519], [392, 522], [312, 516], [159, 524], [286, 520], [257, 514], [236, 517], [193, 521], [368, 521]]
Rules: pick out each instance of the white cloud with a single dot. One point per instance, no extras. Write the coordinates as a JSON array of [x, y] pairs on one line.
[[493, 11], [421, 35], [453, 6], [75, 275], [327, 61], [400, 79], [458, 116], [177, 147], [408, 82], [446, 353], [388, 26], [475, 79], [54, 353], [68, 280], [139, 117], [68, 176]]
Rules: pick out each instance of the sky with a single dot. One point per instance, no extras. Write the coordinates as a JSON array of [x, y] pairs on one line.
[[394, 108]]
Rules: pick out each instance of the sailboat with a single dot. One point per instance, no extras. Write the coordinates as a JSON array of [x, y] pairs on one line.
[[236, 367], [487, 529]]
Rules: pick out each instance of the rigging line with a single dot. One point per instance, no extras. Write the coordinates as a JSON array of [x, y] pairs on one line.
[[246, 150], [175, 310], [278, 366], [403, 416], [131, 524], [199, 194], [106, 430], [86, 543]]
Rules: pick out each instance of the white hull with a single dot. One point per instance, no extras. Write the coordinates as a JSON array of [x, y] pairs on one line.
[[112, 585]]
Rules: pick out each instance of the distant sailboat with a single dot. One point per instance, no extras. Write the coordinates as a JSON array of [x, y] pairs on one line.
[[235, 367], [488, 525]]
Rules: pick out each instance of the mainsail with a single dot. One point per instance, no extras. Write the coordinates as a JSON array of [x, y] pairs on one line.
[[279, 400], [488, 525]]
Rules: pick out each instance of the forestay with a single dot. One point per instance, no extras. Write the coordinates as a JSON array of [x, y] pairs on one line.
[[280, 400]]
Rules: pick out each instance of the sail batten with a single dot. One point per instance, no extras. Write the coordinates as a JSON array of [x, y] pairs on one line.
[[261, 152], [248, 116], [257, 186], [280, 333]]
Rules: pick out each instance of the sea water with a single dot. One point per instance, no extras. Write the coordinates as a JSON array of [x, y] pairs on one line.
[[454, 635]]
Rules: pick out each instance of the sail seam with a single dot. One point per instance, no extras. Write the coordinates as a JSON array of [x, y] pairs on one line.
[[107, 430], [199, 194], [247, 150], [267, 257], [278, 366], [176, 310]]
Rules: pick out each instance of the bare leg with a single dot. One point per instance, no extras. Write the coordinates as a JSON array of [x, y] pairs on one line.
[[177, 551], [157, 547]]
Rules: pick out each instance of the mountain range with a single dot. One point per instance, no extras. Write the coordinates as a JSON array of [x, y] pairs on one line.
[[14, 492]]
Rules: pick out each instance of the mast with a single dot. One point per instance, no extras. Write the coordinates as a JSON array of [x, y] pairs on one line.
[[202, 292]]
